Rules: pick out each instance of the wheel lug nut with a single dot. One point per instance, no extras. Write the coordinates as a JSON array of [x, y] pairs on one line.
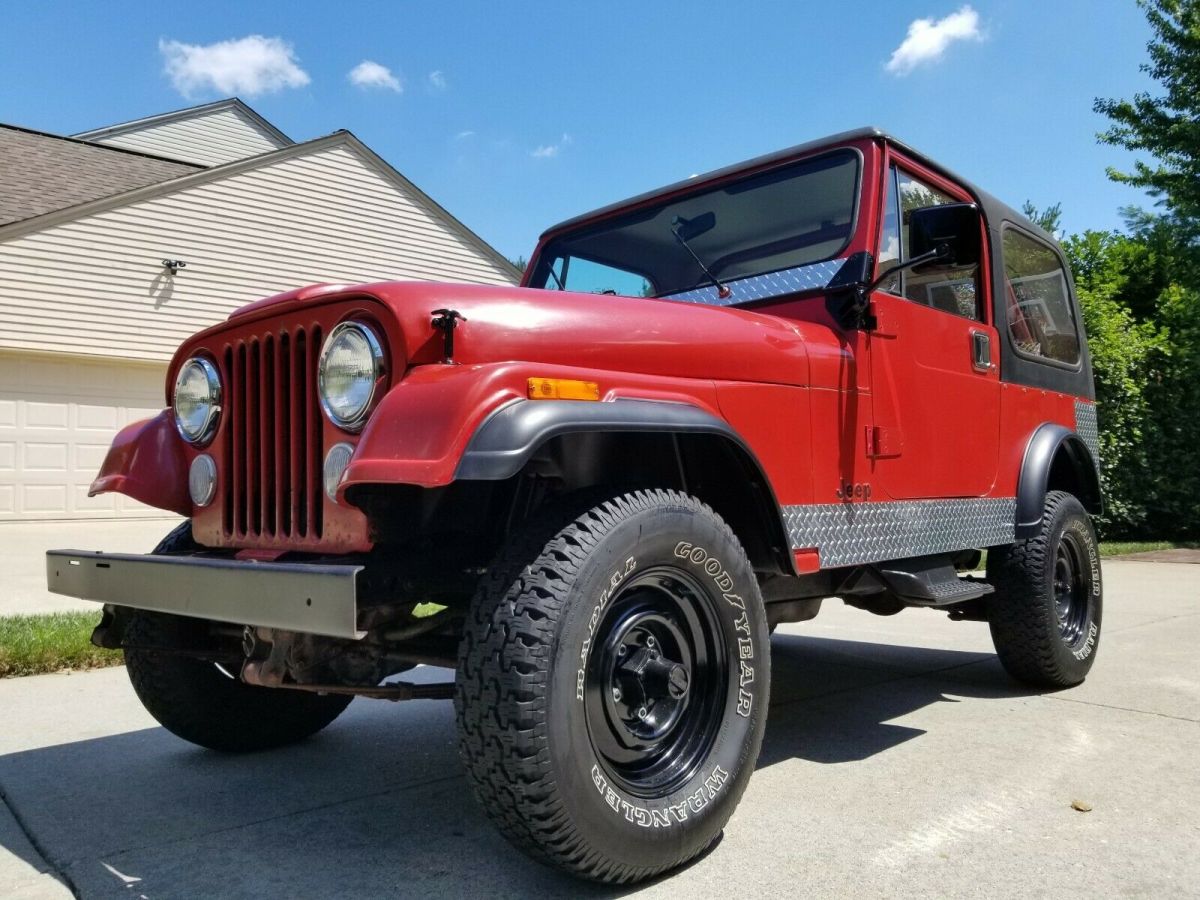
[[622, 650], [617, 694], [650, 642], [642, 713]]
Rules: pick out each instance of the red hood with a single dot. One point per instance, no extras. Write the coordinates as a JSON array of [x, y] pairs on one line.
[[626, 334]]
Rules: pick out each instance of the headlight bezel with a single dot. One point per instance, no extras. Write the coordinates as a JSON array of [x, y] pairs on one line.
[[212, 418], [354, 423]]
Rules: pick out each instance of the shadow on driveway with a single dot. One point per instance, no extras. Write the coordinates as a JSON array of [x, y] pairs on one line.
[[376, 804]]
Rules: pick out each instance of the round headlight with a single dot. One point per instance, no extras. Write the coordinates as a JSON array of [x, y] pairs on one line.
[[197, 400], [349, 374]]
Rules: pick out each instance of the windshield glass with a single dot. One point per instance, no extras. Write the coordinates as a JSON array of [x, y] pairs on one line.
[[784, 219]]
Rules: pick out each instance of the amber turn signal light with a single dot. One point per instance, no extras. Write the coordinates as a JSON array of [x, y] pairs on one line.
[[562, 389]]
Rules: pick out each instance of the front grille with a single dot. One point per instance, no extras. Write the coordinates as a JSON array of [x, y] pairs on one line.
[[272, 439]]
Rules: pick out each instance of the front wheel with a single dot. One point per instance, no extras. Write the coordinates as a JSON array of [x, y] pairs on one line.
[[1046, 612], [612, 685], [200, 702]]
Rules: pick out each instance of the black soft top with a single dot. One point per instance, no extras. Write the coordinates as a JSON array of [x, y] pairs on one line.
[[994, 210]]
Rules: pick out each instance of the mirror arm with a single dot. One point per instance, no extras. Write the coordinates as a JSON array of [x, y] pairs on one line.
[[862, 291], [941, 251]]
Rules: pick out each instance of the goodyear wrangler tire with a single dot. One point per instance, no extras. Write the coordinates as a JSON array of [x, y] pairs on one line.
[[197, 701], [613, 683], [1045, 615]]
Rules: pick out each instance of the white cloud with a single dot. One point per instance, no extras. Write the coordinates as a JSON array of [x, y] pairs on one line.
[[927, 40], [463, 135], [370, 74], [247, 66], [437, 80], [549, 151]]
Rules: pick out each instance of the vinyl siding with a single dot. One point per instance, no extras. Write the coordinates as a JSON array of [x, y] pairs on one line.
[[96, 285], [216, 137]]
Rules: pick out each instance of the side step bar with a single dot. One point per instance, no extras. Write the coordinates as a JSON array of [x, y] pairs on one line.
[[932, 581]]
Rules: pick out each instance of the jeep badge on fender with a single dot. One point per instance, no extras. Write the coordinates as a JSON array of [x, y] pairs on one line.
[[837, 371]]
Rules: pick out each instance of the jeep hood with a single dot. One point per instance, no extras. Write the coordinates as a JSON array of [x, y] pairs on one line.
[[596, 331]]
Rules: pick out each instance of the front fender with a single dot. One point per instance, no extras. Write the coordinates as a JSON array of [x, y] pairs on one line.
[[511, 435], [420, 433], [419, 430], [146, 462]]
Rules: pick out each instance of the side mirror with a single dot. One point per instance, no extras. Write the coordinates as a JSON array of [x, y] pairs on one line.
[[954, 227]]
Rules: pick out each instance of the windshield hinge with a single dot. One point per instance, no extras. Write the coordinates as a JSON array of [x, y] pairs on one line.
[[445, 321]]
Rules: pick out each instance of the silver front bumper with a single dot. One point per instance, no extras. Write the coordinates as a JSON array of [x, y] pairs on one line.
[[316, 599]]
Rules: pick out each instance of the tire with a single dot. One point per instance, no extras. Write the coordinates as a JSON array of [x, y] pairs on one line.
[[199, 702], [578, 604], [1046, 613]]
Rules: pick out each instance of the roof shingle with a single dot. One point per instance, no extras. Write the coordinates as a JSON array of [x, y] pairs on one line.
[[40, 173]]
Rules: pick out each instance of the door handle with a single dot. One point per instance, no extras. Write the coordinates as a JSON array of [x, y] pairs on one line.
[[981, 351]]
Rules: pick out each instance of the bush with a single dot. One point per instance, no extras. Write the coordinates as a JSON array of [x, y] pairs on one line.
[[1127, 358]]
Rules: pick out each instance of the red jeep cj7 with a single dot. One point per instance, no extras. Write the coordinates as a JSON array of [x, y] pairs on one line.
[[834, 371]]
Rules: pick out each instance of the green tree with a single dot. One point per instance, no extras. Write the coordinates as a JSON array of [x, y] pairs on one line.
[[1166, 125], [1048, 219], [1127, 360]]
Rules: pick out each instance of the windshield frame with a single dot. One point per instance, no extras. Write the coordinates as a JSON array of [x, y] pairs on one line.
[[544, 256]]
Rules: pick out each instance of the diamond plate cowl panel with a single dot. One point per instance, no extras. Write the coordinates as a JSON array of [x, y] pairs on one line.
[[852, 533], [1087, 428], [772, 284]]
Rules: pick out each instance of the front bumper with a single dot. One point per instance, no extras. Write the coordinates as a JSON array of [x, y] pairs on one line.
[[315, 599]]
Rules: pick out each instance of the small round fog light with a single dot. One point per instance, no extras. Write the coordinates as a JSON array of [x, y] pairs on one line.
[[202, 479], [336, 461]]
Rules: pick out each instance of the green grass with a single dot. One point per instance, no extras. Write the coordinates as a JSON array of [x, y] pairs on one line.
[[32, 645], [1123, 548]]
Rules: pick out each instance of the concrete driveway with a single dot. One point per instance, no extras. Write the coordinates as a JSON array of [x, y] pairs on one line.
[[23, 547], [899, 759]]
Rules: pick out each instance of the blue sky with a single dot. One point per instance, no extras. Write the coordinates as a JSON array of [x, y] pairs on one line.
[[543, 110]]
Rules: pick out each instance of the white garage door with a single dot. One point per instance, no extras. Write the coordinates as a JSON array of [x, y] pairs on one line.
[[57, 418]]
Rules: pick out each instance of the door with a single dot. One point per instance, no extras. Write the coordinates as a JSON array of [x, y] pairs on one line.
[[58, 415], [934, 363]]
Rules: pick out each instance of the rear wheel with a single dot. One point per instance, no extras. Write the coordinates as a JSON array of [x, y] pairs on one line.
[[201, 702], [1045, 615], [612, 685]]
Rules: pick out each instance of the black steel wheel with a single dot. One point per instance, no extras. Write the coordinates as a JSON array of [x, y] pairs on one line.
[[655, 683], [613, 684], [1046, 613], [1070, 589]]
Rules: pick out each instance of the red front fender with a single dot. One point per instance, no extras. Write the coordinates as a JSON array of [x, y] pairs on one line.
[[146, 462]]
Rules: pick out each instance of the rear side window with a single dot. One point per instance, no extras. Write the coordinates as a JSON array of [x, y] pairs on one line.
[[1041, 319]]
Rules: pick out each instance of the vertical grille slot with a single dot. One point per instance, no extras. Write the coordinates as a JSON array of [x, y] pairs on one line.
[[225, 484], [296, 446], [313, 444], [272, 442]]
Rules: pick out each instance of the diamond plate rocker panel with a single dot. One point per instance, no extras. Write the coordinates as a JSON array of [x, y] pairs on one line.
[[1087, 429], [851, 533]]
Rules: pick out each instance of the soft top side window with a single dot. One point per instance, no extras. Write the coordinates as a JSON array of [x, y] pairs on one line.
[[1041, 318]]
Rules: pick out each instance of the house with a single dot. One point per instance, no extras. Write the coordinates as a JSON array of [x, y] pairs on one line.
[[118, 243], [90, 312]]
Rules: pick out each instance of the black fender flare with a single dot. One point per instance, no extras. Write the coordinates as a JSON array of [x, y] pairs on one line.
[[1048, 441], [508, 438]]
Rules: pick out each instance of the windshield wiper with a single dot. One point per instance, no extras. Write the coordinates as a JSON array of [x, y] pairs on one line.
[[677, 225]]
